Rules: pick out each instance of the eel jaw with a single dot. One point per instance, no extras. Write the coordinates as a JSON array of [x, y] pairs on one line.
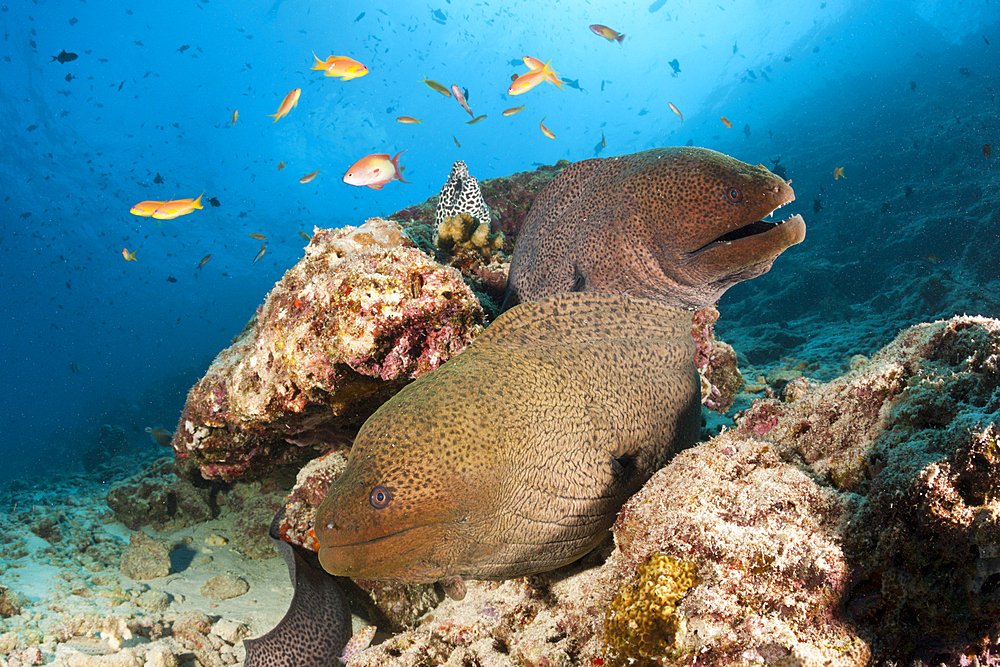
[[756, 228]]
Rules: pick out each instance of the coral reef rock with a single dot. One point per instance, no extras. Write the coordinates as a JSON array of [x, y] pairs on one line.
[[361, 315], [857, 522], [145, 558]]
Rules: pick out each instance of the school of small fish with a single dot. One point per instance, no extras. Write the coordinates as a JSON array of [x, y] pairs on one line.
[[376, 170]]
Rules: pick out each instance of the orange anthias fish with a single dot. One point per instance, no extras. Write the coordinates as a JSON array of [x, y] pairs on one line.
[[236, 114], [146, 208], [676, 111], [526, 82], [838, 173], [342, 66], [513, 110], [375, 171], [177, 207], [534, 64], [457, 92], [308, 177], [408, 120], [129, 256], [725, 121], [434, 85], [546, 131], [607, 33], [291, 100], [281, 165]]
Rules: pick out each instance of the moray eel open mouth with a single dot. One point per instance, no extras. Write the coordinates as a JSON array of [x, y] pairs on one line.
[[756, 228]]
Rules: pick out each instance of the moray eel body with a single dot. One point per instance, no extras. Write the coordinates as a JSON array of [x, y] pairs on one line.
[[679, 225], [515, 456], [316, 626]]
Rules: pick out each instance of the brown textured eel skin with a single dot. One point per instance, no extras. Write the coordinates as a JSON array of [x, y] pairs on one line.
[[316, 626], [678, 224], [515, 456]]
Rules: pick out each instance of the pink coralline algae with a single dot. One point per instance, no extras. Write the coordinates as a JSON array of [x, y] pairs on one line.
[[716, 362], [362, 314], [856, 524]]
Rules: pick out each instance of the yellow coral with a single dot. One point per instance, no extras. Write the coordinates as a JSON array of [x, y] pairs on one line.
[[641, 623], [468, 232]]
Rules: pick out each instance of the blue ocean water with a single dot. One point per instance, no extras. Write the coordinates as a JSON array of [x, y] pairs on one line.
[[898, 93]]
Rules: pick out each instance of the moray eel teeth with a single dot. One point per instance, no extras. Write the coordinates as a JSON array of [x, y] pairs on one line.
[[762, 226]]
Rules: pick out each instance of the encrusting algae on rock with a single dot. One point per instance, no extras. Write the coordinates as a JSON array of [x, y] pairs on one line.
[[642, 622], [362, 314]]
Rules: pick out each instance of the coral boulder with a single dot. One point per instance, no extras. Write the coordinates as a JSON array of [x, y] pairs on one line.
[[363, 313]]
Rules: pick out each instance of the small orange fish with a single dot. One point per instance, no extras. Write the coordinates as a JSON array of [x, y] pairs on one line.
[[475, 120], [204, 261], [129, 256], [513, 110], [236, 114], [434, 85], [357, 643], [604, 144], [281, 165], [308, 177], [676, 111], [456, 141], [546, 131], [725, 121], [291, 100], [607, 33], [838, 173], [375, 171], [534, 64], [526, 82], [408, 120], [177, 207], [258, 237], [146, 208], [342, 66]]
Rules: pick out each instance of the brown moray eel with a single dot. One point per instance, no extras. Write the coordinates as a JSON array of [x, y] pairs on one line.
[[316, 626], [515, 456], [679, 224]]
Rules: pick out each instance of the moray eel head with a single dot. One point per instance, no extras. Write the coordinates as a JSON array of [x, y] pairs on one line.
[[678, 224], [732, 233], [391, 514]]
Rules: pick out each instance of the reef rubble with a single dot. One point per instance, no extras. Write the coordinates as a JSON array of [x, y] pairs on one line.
[[363, 313]]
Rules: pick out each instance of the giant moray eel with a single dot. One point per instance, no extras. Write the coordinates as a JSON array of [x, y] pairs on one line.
[[515, 456], [679, 224]]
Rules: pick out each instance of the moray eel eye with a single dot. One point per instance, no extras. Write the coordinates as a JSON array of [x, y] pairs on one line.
[[734, 195], [380, 497]]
